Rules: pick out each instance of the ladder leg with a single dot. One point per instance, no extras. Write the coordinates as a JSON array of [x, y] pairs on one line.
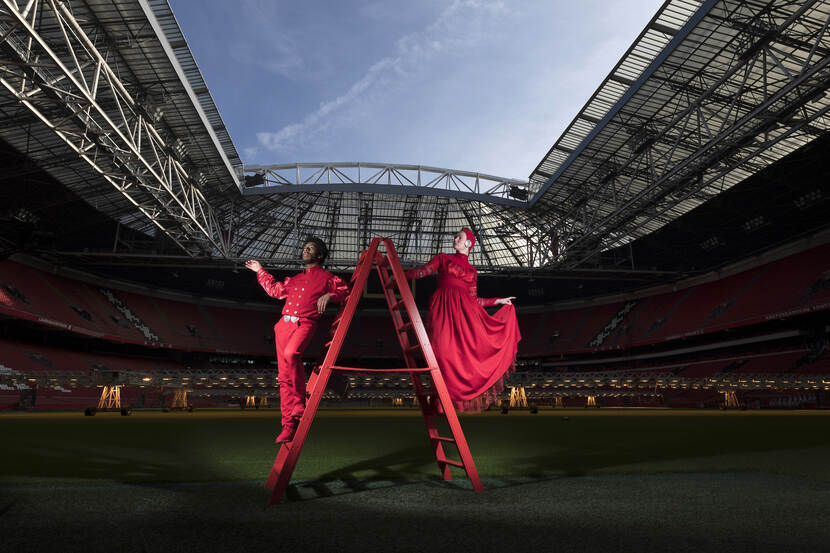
[[428, 412], [293, 448], [275, 470], [455, 429]]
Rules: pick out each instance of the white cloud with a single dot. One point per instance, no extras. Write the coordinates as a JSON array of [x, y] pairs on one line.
[[456, 30], [483, 86]]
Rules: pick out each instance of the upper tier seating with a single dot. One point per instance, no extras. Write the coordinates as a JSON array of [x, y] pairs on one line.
[[37, 358], [792, 285], [796, 284]]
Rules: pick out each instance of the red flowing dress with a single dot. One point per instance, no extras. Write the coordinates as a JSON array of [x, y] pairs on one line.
[[475, 350]]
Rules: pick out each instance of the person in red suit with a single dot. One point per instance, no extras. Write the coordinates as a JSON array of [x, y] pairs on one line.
[[307, 294], [474, 349]]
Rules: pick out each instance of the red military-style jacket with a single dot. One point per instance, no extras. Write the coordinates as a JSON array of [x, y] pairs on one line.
[[302, 290]]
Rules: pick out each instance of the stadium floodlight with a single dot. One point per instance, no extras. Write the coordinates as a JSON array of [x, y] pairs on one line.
[[518, 193], [806, 200], [257, 179], [754, 224]]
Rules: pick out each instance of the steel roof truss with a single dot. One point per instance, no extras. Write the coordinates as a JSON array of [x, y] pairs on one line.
[[103, 122], [737, 128]]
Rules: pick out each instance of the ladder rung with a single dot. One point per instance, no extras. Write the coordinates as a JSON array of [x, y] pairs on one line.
[[404, 327], [393, 370], [413, 348], [328, 344], [398, 305], [443, 439], [458, 464], [390, 283]]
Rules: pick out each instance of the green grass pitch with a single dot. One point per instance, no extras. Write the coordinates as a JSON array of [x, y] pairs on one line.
[[391, 444]]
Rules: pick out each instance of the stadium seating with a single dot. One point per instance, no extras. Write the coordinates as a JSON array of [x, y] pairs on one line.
[[801, 283], [37, 358], [779, 362], [810, 364], [27, 291], [247, 330], [702, 369], [55, 398]]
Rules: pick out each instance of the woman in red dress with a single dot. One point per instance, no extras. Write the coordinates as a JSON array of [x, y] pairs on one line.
[[475, 350]]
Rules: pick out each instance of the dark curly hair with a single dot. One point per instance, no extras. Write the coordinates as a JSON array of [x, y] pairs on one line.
[[322, 249]]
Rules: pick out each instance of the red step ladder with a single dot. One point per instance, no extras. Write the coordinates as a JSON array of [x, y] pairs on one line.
[[433, 398]]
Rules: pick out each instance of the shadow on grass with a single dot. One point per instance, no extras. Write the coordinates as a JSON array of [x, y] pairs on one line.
[[400, 468], [515, 456]]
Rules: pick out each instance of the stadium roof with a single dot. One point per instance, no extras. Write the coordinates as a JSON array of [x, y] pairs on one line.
[[348, 203], [106, 96], [710, 93]]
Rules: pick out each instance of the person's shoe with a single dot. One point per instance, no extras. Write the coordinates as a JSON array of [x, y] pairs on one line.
[[288, 430]]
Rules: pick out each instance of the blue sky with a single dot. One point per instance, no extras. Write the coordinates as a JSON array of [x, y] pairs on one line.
[[473, 85]]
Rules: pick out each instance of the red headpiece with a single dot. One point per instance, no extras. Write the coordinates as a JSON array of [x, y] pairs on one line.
[[470, 237]]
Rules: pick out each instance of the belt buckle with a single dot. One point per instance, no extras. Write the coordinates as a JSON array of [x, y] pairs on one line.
[[290, 318]]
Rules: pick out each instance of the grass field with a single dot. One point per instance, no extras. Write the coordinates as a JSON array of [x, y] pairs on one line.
[[226, 445], [586, 480]]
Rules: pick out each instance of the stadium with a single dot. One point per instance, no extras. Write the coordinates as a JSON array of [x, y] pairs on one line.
[[669, 255]]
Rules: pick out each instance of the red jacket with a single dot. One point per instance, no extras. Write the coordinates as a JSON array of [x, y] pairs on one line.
[[302, 290]]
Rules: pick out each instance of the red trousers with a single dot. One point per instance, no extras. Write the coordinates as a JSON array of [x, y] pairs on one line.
[[291, 340]]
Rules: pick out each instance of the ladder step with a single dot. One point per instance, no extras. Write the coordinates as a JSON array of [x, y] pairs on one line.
[[404, 327], [398, 305], [416, 347], [458, 464], [390, 283], [443, 439], [384, 370], [327, 344]]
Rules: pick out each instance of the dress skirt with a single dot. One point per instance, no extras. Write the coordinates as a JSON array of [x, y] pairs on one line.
[[475, 350]]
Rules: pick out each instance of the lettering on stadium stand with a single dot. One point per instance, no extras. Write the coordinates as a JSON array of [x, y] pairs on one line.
[[784, 314], [684, 335]]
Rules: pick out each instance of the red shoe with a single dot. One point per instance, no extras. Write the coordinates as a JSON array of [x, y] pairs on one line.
[[288, 430]]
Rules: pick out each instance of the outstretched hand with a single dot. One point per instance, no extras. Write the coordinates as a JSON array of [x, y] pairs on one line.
[[253, 265], [505, 301]]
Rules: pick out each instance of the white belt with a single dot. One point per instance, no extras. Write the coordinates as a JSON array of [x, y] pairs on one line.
[[290, 319]]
